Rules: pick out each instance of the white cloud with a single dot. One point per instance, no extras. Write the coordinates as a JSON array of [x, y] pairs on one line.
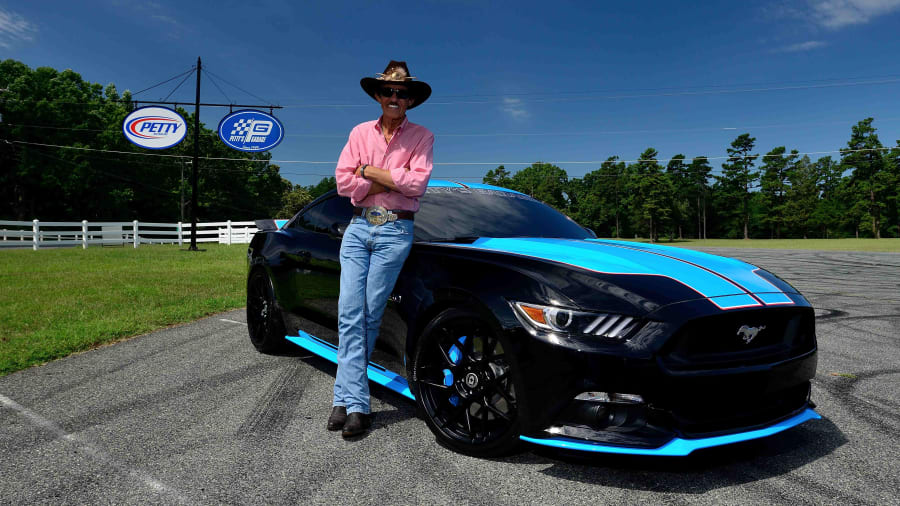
[[840, 13], [14, 28], [802, 46], [515, 108], [165, 19]]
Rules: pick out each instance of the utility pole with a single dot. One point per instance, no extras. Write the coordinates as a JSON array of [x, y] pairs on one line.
[[181, 189], [196, 162]]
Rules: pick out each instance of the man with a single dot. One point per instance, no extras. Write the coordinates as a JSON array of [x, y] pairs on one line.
[[384, 169]]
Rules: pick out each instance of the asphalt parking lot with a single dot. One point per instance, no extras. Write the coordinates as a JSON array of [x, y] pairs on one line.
[[192, 414]]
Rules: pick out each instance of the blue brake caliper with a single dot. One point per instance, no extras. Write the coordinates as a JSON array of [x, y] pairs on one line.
[[455, 357]]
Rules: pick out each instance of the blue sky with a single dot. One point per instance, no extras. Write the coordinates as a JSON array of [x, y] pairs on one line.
[[513, 82]]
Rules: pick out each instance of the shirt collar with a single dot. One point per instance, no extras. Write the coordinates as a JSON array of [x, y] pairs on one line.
[[401, 127]]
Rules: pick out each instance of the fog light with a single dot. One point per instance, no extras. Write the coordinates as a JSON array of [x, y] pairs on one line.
[[610, 397], [605, 410], [593, 396], [627, 398]]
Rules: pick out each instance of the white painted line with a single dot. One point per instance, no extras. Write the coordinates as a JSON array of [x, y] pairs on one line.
[[98, 454], [232, 321]]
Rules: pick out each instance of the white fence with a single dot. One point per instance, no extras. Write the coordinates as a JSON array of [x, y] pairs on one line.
[[119, 233]]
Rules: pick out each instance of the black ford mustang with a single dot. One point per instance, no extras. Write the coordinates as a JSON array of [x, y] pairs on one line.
[[510, 322]]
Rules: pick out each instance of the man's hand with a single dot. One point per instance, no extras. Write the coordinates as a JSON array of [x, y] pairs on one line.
[[376, 188], [380, 176]]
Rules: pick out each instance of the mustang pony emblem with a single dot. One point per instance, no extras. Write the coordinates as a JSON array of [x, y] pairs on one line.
[[749, 333]]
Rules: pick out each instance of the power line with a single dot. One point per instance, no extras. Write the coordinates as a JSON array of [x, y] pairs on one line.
[[673, 88], [76, 129], [584, 97], [555, 162], [144, 185], [237, 87], [108, 174], [217, 85], [164, 82], [541, 134], [629, 96], [179, 86]]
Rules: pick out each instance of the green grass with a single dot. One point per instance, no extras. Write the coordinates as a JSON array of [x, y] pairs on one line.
[[55, 302], [875, 245]]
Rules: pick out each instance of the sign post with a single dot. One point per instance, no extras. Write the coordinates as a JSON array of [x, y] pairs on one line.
[[195, 165], [161, 128]]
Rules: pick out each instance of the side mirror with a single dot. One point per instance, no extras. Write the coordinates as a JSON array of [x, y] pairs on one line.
[[338, 229], [591, 231]]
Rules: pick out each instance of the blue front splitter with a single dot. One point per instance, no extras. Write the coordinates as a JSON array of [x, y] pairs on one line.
[[677, 447]]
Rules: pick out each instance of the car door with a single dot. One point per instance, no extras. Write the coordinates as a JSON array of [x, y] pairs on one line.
[[308, 275]]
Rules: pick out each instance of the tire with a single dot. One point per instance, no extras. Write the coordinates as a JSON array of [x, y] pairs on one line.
[[264, 322], [467, 380]]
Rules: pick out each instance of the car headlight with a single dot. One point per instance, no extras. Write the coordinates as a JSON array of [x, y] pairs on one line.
[[553, 318]]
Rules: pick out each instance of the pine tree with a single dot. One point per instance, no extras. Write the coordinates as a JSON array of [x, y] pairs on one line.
[[738, 178], [678, 175], [870, 181], [774, 186], [698, 172], [498, 177], [652, 192]]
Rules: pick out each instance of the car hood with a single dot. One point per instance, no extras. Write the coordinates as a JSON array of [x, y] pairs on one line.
[[727, 282]]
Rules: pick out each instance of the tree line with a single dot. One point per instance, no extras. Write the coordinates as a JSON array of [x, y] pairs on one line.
[[778, 194], [105, 177]]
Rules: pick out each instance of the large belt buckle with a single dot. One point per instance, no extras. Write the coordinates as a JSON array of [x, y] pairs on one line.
[[377, 215]]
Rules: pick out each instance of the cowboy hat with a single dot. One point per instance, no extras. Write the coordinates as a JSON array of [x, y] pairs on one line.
[[397, 73]]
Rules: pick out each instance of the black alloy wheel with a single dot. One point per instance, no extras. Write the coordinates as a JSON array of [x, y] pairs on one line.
[[465, 380], [263, 319]]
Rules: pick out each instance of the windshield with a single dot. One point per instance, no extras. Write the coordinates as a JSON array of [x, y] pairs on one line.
[[464, 213]]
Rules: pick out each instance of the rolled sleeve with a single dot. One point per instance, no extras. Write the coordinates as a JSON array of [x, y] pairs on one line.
[[348, 183], [413, 182]]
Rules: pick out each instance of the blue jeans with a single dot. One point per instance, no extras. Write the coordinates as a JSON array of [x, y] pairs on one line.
[[371, 259]]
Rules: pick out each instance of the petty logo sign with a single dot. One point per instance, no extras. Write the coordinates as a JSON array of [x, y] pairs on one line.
[[252, 131], [154, 127]]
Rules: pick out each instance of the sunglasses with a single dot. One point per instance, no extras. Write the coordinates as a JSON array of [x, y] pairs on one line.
[[387, 92]]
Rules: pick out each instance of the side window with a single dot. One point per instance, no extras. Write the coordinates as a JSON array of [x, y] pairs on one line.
[[325, 215]]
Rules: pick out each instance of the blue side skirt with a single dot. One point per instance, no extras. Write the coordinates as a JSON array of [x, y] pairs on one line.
[[677, 447], [377, 374]]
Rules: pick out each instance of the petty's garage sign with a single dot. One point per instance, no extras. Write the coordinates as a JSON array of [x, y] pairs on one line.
[[250, 130], [154, 127]]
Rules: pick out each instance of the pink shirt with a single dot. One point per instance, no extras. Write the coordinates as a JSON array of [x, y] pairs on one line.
[[408, 156]]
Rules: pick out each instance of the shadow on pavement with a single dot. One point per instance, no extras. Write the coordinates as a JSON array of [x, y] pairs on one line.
[[404, 408], [702, 471]]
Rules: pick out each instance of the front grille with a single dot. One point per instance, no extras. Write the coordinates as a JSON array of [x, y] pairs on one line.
[[716, 342]]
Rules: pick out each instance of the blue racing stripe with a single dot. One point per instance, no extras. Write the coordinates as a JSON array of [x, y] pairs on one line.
[[440, 183], [740, 272], [483, 186], [613, 259]]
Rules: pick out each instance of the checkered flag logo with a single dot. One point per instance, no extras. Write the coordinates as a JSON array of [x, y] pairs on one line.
[[250, 130], [242, 126]]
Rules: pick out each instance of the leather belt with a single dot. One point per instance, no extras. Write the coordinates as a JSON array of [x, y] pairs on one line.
[[378, 215]]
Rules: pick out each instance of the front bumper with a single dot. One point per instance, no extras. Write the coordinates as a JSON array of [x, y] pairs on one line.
[[676, 447], [686, 399]]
